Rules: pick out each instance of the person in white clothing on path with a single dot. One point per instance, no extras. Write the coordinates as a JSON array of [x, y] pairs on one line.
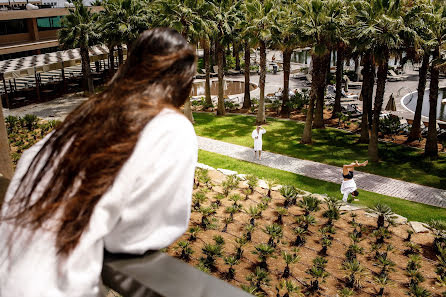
[[257, 136], [348, 185]]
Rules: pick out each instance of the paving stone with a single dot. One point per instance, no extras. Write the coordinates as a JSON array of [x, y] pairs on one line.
[[204, 166], [418, 227], [226, 171]]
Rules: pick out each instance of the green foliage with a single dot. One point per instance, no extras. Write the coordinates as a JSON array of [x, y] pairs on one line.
[[390, 125]]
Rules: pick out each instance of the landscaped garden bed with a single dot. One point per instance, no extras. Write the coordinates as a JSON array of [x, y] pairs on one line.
[[246, 234]]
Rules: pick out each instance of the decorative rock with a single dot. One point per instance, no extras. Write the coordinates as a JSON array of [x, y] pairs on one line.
[[418, 227], [319, 196], [261, 183], [277, 188], [371, 214], [241, 176], [351, 207], [204, 166], [400, 220], [226, 171]]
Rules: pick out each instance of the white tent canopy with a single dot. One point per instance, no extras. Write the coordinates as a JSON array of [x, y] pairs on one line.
[[26, 66]]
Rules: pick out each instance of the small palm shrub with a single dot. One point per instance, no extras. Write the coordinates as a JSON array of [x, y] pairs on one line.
[[258, 279], [252, 181], [289, 193], [198, 198], [281, 211], [193, 233], [236, 198], [413, 270], [412, 248], [291, 289], [382, 282], [263, 251], [355, 273], [239, 251], [309, 204], [186, 250], [30, 121], [385, 214], [438, 228], [381, 234], [254, 212], [271, 183], [211, 251], [249, 228], [305, 221], [206, 212], [345, 292], [440, 268], [385, 264], [226, 221], [289, 259], [275, 231], [333, 212], [317, 273], [418, 291], [231, 261]]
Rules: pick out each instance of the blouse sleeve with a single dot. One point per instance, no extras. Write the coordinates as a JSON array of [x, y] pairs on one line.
[[157, 210], [263, 131], [253, 135]]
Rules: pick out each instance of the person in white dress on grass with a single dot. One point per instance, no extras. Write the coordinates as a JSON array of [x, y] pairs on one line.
[[348, 185], [116, 175], [257, 136]]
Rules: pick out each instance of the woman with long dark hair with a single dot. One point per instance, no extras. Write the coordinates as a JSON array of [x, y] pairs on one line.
[[116, 174]]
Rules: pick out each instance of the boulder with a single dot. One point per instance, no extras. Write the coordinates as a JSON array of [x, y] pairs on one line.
[[351, 207], [419, 227], [204, 166], [241, 176], [227, 171], [400, 220]]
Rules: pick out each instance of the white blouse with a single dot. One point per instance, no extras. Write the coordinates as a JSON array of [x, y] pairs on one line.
[[147, 208]]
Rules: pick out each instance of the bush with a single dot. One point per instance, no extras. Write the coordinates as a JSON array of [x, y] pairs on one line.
[[351, 74], [230, 62], [229, 105], [200, 63], [299, 100], [11, 123], [30, 122], [390, 125]]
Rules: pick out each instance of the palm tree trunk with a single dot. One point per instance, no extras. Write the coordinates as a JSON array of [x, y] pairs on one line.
[[431, 148], [5, 158], [318, 73], [111, 59], [319, 112], [221, 100], [247, 97], [357, 67], [339, 72], [368, 75], [379, 98], [237, 55], [188, 110], [86, 71], [286, 82], [261, 112], [121, 54], [415, 132], [207, 66]]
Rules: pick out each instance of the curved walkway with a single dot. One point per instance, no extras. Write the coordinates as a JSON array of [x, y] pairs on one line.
[[366, 181]]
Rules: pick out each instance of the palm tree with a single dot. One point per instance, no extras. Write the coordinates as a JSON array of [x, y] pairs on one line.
[[185, 17], [378, 28], [260, 15], [225, 15], [318, 27], [286, 40], [416, 18], [109, 30], [79, 30], [436, 21]]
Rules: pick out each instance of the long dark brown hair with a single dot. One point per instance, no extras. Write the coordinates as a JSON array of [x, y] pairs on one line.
[[86, 152]]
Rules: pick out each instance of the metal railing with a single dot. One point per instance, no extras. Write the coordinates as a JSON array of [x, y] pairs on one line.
[[158, 274]]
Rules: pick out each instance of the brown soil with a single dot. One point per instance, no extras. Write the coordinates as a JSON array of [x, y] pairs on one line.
[[307, 252]]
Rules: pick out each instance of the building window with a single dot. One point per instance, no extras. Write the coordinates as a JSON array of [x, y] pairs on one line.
[[13, 27], [51, 23]]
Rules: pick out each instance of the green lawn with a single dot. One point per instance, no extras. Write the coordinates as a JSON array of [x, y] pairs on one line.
[[330, 146], [411, 210]]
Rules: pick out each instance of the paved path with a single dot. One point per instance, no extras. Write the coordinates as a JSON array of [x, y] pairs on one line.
[[366, 181]]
